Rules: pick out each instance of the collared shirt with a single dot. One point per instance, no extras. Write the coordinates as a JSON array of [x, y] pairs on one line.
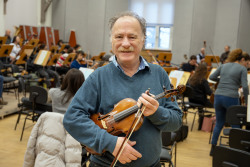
[[143, 64]]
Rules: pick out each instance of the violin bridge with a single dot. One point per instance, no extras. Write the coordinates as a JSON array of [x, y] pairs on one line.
[[104, 124]]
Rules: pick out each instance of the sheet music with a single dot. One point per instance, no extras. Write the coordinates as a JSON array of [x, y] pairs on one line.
[[181, 76], [210, 81], [86, 71], [41, 57]]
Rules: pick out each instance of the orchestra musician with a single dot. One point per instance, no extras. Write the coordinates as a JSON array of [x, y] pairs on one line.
[[79, 60], [190, 65], [127, 76], [198, 81], [231, 77], [16, 49]]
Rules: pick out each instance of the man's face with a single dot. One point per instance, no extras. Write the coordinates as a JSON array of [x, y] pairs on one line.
[[127, 39], [193, 62], [17, 39], [226, 48]]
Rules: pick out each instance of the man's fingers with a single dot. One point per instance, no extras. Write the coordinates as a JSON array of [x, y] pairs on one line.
[[131, 143]]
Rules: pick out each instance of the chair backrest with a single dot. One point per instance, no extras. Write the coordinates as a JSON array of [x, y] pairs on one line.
[[188, 91], [21, 85], [168, 138], [236, 115], [39, 94], [240, 139], [230, 157]]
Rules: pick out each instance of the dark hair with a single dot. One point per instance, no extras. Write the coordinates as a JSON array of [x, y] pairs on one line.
[[76, 46], [72, 81], [199, 74], [70, 50], [141, 20], [59, 42], [193, 57], [246, 56], [41, 47], [67, 47]]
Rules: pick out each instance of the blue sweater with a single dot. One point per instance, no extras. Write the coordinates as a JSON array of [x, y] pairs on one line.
[[76, 65], [107, 86]]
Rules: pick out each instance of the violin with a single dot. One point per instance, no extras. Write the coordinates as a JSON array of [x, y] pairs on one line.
[[124, 114]]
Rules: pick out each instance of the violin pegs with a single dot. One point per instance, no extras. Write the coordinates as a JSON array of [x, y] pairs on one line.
[[164, 88]]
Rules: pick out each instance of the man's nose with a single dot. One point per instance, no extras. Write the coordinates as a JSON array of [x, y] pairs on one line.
[[125, 42]]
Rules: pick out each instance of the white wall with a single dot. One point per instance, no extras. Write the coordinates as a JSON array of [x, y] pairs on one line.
[[244, 26], [227, 25], [89, 19], [182, 29], [2, 30], [25, 12]]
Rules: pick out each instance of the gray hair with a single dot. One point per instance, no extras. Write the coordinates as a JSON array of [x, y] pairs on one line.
[[141, 20]]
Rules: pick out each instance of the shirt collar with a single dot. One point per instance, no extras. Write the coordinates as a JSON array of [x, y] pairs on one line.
[[143, 63]]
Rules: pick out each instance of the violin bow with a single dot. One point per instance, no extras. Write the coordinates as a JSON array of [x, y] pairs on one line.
[[131, 130]]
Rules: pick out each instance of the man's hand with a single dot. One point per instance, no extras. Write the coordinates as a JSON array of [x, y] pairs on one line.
[[128, 153], [150, 103]]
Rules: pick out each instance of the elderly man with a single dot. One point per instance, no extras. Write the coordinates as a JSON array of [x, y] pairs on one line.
[[201, 56], [127, 76], [7, 34]]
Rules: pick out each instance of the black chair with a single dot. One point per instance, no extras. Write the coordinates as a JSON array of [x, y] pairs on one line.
[[189, 105], [239, 139], [37, 102], [169, 146], [230, 157], [236, 115]]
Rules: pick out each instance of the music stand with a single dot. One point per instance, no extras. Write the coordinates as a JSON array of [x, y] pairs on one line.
[[33, 42], [5, 51], [24, 56], [53, 49], [53, 60], [165, 57], [99, 57], [3, 40], [62, 47], [69, 59], [209, 59], [42, 58]]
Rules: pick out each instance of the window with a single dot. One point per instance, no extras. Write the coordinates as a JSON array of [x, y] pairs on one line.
[[160, 18], [158, 37]]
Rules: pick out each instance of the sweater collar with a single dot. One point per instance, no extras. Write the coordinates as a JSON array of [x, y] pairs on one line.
[[143, 64]]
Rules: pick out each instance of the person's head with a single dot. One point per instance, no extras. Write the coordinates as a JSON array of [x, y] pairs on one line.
[[193, 60], [70, 50], [41, 47], [199, 74], [77, 47], [16, 39], [203, 51], [128, 32], [79, 55], [60, 42], [72, 81], [7, 32], [245, 59], [234, 55], [227, 48], [66, 48]]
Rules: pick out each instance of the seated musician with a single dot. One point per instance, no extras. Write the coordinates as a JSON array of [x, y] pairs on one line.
[[79, 61], [43, 71], [190, 65], [127, 76], [16, 49], [201, 89], [77, 47], [61, 97], [7, 34], [59, 44]]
